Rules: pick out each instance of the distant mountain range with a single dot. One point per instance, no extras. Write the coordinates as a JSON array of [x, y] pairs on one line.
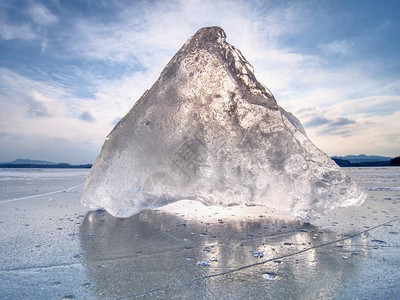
[[24, 161], [31, 163], [363, 158]]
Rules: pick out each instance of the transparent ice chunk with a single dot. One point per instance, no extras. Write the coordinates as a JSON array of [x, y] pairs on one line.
[[209, 131]]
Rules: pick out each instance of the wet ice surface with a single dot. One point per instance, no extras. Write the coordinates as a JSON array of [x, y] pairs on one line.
[[51, 248], [39, 213]]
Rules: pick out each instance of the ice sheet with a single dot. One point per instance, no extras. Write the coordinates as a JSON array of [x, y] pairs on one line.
[[51, 248]]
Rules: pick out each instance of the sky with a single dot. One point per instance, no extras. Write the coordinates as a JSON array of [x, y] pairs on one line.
[[69, 70]]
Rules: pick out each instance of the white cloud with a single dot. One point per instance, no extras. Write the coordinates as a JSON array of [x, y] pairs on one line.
[[373, 135], [339, 47], [56, 116], [86, 116], [45, 111], [43, 46], [367, 125], [16, 32], [41, 15]]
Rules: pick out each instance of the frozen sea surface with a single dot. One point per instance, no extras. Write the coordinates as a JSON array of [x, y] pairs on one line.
[[51, 247]]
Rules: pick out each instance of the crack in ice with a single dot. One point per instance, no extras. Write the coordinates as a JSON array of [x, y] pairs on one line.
[[40, 195]]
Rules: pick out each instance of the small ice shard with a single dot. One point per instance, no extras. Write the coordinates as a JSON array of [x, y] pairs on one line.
[[270, 276], [203, 263], [257, 254], [206, 249], [378, 241], [207, 130], [213, 259]]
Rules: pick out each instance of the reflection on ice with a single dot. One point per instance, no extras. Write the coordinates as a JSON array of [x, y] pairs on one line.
[[154, 254]]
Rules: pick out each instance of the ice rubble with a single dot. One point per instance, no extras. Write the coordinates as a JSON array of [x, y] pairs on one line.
[[209, 131]]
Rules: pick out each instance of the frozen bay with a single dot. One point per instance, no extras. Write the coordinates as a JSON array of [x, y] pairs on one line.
[[51, 247]]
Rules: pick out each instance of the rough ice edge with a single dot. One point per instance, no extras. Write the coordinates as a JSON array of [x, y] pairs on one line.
[[300, 135]]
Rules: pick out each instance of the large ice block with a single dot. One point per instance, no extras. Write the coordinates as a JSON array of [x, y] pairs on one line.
[[207, 130]]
